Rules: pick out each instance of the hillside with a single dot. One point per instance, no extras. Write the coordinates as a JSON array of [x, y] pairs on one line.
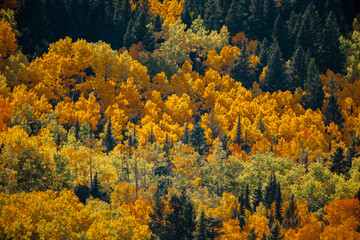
[[211, 119]]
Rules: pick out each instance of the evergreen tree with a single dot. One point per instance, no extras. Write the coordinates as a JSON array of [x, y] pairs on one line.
[[242, 70], [330, 54], [189, 215], [255, 19], [332, 113], [252, 235], [313, 87], [257, 196], [269, 15], [77, 130], [109, 141], [338, 165], [351, 152], [278, 202], [130, 37], [309, 30], [241, 214], [213, 15], [247, 198], [201, 233], [264, 237], [175, 222], [238, 138], [166, 147], [198, 140], [224, 139], [270, 191], [280, 32], [157, 216], [261, 126], [275, 233], [275, 77], [95, 188], [82, 192], [236, 17], [291, 218], [298, 68]]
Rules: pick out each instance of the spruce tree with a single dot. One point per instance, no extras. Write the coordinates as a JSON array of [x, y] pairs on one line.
[[186, 135], [275, 77], [82, 192], [330, 54], [109, 141], [130, 37], [157, 216], [255, 20], [95, 188], [198, 140], [189, 215], [338, 165], [257, 196], [332, 113], [202, 229], [151, 138], [270, 191], [77, 130], [278, 203], [313, 87], [175, 222], [236, 16], [351, 152], [238, 138], [280, 33], [269, 15], [292, 218], [298, 68], [213, 15], [247, 198]]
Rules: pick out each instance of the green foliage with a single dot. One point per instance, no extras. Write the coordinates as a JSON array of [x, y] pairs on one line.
[[198, 140], [332, 113]]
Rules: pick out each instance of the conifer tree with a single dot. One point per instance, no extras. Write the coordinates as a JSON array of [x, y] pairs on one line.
[[278, 203], [298, 68], [275, 77], [109, 141], [189, 215], [270, 191], [213, 15], [351, 152], [257, 196], [186, 135], [236, 16], [82, 192], [201, 233], [198, 140], [241, 214], [175, 222], [77, 130], [280, 33], [332, 113], [313, 87], [338, 165], [238, 138], [292, 218], [130, 37], [151, 138], [95, 188], [157, 216], [255, 19], [247, 198], [269, 15]]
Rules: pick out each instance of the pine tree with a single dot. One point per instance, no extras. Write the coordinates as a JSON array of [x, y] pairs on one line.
[[280, 33], [351, 152], [247, 198], [238, 138], [330, 54], [157, 216], [82, 192], [270, 191], [109, 141], [77, 130], [189, 215], [130, 37], [313, 87], [236, 17], [275, 233], [252, 235], [292, 218], [338, 165], [242, 70], [269, 15], [332, 113], [175, 222], [298, 68], [201, 233], [198, 140], [275, 77], [278, 203], [257, 196], [166, 147], [255, 19], [95, 188], [224, 139], [213, 15]]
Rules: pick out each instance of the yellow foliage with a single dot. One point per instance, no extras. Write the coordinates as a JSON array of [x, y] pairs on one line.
[[8, 44]]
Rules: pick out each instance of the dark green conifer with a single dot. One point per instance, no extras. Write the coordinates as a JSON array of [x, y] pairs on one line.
[[130, 37], [157, 216], [247, 198], [278, 203], [77, 130], [198, 140], [257, 196], [292, 218], [109, 141], [275, 233], [151, 138], [252, 235], [298, 68], [332, 113], [213, 15], [313, 87], [338, 165], [201, 233], [238, 138]]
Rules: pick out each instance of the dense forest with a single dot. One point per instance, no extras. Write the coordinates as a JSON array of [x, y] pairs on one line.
[[180, 119]]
